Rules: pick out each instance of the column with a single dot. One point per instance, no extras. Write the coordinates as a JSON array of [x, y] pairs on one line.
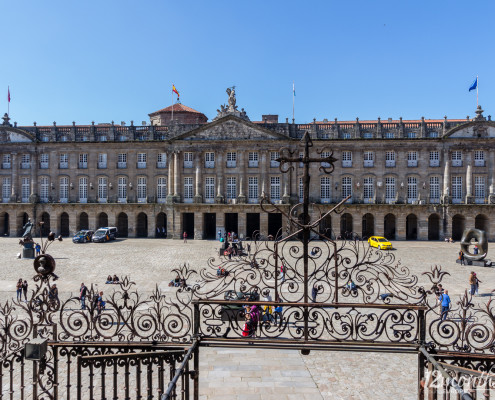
[[34, 179], [176, 177], [380, 223], [219, 181], [197, 195], [241, 196], [151, 222], [170, 194], [264, 224], [491, 178], [198, 225], [13, 187], [422, 225], [469, 184], [446, 178], [73, 215], [241, 224]]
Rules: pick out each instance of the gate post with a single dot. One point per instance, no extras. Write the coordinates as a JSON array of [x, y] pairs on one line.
[[196, 371], [421, 358]]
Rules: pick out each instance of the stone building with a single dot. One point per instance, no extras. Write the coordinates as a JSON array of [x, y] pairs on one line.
[[422, 179]]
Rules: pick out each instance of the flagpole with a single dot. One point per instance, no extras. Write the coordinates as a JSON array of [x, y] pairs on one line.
[[8, 101], [172, 102], [477, 86], [292, 101]]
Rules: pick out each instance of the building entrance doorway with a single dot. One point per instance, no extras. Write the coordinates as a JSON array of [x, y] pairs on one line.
[[64, 224], [231, 223], [389, 226], [210, 226], [142, 225], [188, 225], [161, 225], [252, 224], [411, 227], [346, 226], [433, 227], [368, 228], [274, 224], [4, 224], [45, 229], [458, 226], [102, 220], [123, 225], [83, 221]]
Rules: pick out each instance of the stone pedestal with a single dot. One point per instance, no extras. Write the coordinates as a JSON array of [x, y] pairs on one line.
[[28, 250]]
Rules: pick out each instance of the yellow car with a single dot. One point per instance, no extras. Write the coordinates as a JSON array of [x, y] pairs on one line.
[[379, 242]]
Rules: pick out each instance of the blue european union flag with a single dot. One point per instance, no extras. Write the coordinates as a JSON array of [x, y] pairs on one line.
[[474, 85]]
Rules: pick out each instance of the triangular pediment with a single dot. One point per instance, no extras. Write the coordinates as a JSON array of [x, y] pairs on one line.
[[473, 129], [230, 128], [14, 135]]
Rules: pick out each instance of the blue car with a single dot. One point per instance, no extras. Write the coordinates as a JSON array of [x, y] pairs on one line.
[[82, 236]]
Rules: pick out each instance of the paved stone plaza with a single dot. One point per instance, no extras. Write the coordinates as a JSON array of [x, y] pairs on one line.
[[250, 374]]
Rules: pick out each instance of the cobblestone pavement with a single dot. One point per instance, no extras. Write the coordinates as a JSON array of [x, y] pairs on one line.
[[250, 373]]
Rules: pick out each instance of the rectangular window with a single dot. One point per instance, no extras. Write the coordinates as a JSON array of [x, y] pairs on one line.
[[412, 158], [210, 160], [368, 192], [83, 160], [301, 190], [367, 135], [346, 159], [390, 194], [412, 189], [102, 160], [368, 158], [188, 160], [63, 161], [142, 192], [325, 190], [390, 158], [253, 160], [479, 189], [83, 190], [433, 134], [231, 188], [274, 155], [231, 160], [388, 135], [346, 135], [346, 187], [44, 161], [479, 158], [141, 160], [411, 135], [301, 156], [434, 189], [122, 189], [6, 162], [456, 189], [209, 190], [161, 161], [275, 188], [456, 158], [188, 189], [44, 189], [325, 154], [122, 160], [253, 189], [64, 190], [25, 161], [161, 190], [25, 190], [6, 189], [434, 159], [102, 190]]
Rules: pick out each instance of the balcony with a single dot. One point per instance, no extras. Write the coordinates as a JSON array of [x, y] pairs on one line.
[[434, 163], [83, 165], [141, 164], [122, 164], [5, 199], [83, 200], [63, 165], [161, 164], [161, 200], [122, 200], [457, 163], [347, 164], [44, 165], [434, 200], [479, 163], [253, 200], [102, 164], [142, 200], [209, 164], [231, 164], [25, 165], [480, 200], [253, 164], [103, 200], [274, 164], [412, 163], [390, 163], [188, 164], [64, 200], [6, 165], [368, 163], [325, 200]]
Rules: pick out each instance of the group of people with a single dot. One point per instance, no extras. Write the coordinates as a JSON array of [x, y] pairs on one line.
[[114, 279], [254, 313], [98, 303], [21, 288], [178, 282], [474, 283]]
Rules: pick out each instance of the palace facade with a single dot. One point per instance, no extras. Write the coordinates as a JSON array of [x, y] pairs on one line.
[[421, 179]]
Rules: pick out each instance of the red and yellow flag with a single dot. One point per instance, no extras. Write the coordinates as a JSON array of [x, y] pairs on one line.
[[175, 90]]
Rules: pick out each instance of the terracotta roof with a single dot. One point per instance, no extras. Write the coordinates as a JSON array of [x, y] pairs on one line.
[[383, 121], [177, 108]]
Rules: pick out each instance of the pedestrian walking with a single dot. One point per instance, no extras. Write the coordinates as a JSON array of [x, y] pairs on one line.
[[476, 284], [184, 235], [445, 302], [314, 293], [82, 295], [472, 283], [25, 289], [53, 295], [461, 257], [37, 247], [100, 304], [19, 289]]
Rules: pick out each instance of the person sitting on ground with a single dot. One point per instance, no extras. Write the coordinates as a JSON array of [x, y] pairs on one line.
[[109, 279], [222, 271], [115, 279]]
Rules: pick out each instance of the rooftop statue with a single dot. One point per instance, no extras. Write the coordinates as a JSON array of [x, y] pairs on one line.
[[232, 100]]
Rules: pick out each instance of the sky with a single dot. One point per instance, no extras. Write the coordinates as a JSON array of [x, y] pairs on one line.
[[110, 60]]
